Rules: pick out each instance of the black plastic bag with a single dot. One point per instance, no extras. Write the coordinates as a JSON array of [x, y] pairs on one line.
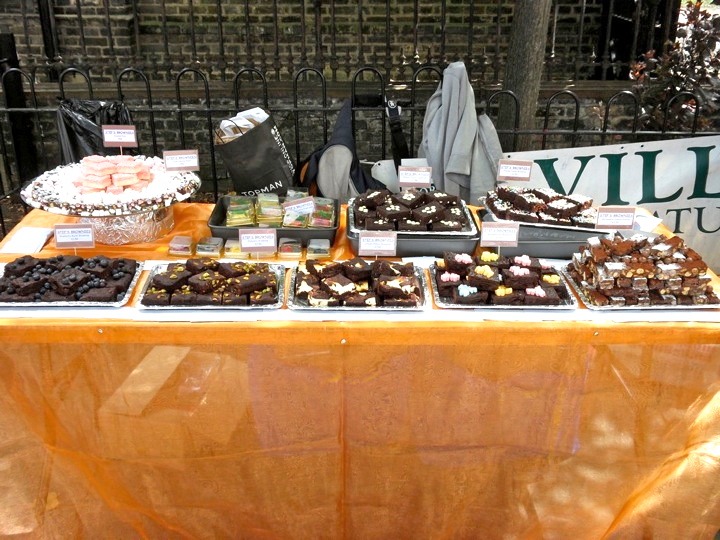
[[258, 160], [79, 125]]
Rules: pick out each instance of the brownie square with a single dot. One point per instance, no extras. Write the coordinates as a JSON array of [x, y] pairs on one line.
[[263, 298], [304, 283], [362, 213], [428, 213], [339, 286], [405, 301], [69, 280], [323, 269], [445, 225], [155, 297], [200, 264], [379, 224], [484, 277], [206, 281], [100, 294], [210, 299], [361, 299], [516, 277], [231, 298], [322, 299], [393, 212], [170, 280], [469, 295], [442, 198], [60, 262], [28, 285], [446, 282], [97, 266], [357, 269], [459, 263], [541, 296], [506, 297], [411, 225], [246, 284], [184, 296], [232, 269], [397, 286], [410, 199], [20, 265]]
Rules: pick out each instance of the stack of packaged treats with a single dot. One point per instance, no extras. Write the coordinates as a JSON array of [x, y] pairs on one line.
[[240, 212], [642, 271], [268, 211], [324, 214]]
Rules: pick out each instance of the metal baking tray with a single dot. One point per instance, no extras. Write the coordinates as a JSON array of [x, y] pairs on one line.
[[296, 303], [569, 301], [77, 303], [217, 225], [423, 243], [545, 232], [279, 270], [590, 305]]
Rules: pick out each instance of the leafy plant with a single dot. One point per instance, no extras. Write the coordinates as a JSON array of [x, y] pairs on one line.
[[691, 63]]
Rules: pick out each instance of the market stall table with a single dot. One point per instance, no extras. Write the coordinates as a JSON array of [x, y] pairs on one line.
[[286, 425]]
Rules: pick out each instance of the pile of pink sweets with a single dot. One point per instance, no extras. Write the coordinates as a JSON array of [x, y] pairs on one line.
[[112, 174]]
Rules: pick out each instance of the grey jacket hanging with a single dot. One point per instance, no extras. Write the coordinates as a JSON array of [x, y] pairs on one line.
[[462, 148]]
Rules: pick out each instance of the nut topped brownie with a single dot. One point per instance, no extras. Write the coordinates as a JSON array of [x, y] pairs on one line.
[[204, 281], [642, 271]]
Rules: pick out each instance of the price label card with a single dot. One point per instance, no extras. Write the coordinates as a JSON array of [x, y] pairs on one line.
[[615, 217], [417, 177], [377, 243], [119, 136], [499, 234], [74, 235], [514, 170], [305, 205], [258, 240], [181, 160]]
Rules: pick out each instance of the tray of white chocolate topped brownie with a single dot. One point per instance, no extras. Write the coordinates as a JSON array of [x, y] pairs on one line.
[[492, 281], [68, 281], [357, 284], [632, 271], [425, 223], [209, 283]]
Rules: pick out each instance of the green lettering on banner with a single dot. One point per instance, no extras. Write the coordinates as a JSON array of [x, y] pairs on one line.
[[613, 185], [547, 166], [678, 217], [700, 225], [702, 168], [648, 180]]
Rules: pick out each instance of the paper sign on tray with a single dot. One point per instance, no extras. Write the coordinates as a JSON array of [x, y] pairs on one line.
[[258, 240], [181, 160], [499, 234], [615, 217], [377, 243], [117, 136], [74, 235], [414, 177], [514, 170]]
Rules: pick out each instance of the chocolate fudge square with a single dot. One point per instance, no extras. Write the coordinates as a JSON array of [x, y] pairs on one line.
[[19, 266], [60, 262], [357, 269], [516, 277], [322, 299], [200, 264], [304, 283], [231, 298], [232, 269], [122, 264], [69, 280], [184, 296], [211, 299], [170, 279], [428, 213], [411, 225], [541, 296], [155, 297], [28, 285], [362, 212], [264, 297], [484, 277], [410, 199], [397, 286], [323, 269], [246, 284], [99, 294], [206, 281], [507, 297], [393, 212], [468, 295], [445, 199], [339, 286], [379, 224], [361, 299], [97, 266]]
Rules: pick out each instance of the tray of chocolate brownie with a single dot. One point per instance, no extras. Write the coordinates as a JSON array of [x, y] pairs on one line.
[[68, 281], [633, 271], [493, 281], [357, 284], [426, 222], [209, 283], [550, 224]]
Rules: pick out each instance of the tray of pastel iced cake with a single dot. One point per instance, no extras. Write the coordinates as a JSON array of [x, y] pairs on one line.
[[68, 281], [102, 186], [631, 271], [357, 284], [209, 283], [492, 281]]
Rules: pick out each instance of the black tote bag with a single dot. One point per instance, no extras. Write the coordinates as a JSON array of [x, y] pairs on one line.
[[258, 161]]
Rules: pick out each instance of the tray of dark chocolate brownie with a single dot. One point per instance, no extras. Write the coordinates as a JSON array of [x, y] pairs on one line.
[[66, 281], [429, 229], [641, 271], [461, 281], [357, 284], [208, 283]]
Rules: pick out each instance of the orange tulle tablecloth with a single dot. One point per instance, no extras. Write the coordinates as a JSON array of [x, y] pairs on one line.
[[377, 428]]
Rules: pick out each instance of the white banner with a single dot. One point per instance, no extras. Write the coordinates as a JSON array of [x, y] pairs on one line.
[[677, 180]]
